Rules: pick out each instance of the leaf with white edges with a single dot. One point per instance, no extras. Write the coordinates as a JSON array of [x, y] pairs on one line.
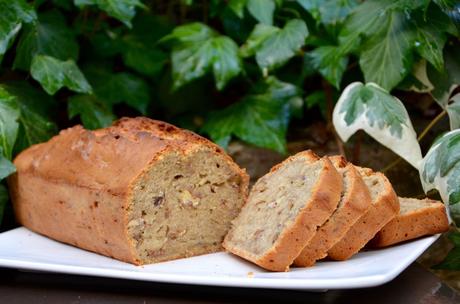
[[372, 109]]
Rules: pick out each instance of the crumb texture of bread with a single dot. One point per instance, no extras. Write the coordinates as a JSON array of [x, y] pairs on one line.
[[354, 202], [384, 207], [284, 210], [141, 191], [416, 218]]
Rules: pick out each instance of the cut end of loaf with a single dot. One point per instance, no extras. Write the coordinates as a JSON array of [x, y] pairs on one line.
[[183, 205]]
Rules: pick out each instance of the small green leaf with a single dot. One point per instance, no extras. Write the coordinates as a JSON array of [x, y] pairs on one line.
[[36, 107], [274, 47], [328, 11], [386, 58], [453, 109], [330, 63], [261, 118], [3, 201], [262, 10], [48, 36], [382, 116], [6, 169], [9, 114], [237, 6], [123, 10], [440, 170], [53, 74], [198, 50], [114, 88], [14, 13], [93, 113], [260, 33]]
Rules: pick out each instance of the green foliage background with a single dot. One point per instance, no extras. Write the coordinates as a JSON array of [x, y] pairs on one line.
[[235, 68]]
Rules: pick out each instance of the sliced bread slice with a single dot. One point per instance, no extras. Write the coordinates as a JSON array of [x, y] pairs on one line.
[[416, 218], [283, 211], [354, 202], [384, 207]]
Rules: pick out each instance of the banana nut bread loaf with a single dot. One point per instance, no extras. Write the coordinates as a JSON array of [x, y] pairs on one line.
[[416, 218], [284, 209], [141, 191]]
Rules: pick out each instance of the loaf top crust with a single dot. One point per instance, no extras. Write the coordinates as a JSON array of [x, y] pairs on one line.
[[109, 158]]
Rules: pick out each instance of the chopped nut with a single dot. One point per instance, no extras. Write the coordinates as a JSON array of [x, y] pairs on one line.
[[187, 199]]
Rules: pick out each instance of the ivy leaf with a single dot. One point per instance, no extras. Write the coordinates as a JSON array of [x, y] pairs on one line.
[[9, 114], [237, 6], [93, 112], [48, 36], [329, 11], [123, 10], [453, 109], [53, 74], [446, 81], [14, 13], [6, 169], [440, 169], [273, 46], [262, 10], [387, 58], [197, 50], [261, 118], [114, 88], [36, 107], [372, 109], [3, 201], [330, 63], [430, 36]]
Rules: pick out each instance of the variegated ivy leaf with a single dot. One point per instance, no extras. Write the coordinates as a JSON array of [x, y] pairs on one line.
[[453, 109], [370, 108], [440, 169]]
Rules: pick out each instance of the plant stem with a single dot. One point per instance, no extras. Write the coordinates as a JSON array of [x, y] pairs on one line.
[[419, 138]]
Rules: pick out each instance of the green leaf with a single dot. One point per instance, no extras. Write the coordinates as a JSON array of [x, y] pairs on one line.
[[330, 63], [36, 107], [14, 13], [9, 114], [430, 36], [453, 109], [114, 88], [237, 6], [123, 10], [3, 201], [261, 118], [274, 47], [48, 36], [387, 58], [93, 113], [6, 168], [329, 11], [197, 50], [451, 261], [262, 10], [446, 81], [440, 170], [372, 109], [53, 74], [254, 42]]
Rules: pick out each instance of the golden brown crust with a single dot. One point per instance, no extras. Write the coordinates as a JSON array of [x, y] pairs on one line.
[[355, 202], [76, 187], [420, 222], [317, 210], [381, 211]]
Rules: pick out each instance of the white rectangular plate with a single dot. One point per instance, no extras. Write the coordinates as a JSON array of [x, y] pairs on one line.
[[20, 248]]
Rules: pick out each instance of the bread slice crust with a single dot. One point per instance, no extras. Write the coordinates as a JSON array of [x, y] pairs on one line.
[[317, 209], [384, 207], [355, 201], [428, 220]]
